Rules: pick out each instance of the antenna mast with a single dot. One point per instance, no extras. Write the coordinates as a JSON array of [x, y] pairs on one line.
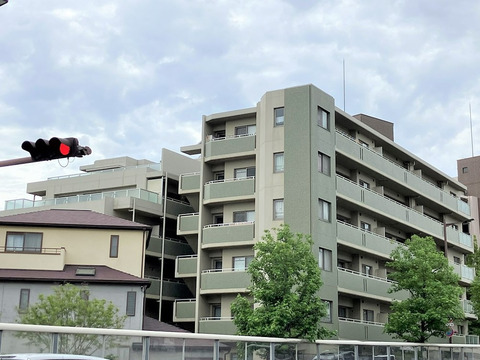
[[471, 127]]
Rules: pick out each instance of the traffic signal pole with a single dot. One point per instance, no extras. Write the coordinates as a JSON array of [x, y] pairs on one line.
[[18, 161]]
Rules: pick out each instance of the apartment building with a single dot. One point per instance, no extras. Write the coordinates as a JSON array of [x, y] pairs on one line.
[[296, 158], [137, 190]]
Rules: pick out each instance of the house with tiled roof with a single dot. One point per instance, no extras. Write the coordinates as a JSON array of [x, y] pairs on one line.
[[41, 249]]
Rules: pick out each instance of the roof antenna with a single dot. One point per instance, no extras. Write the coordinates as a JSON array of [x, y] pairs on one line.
[[344, 84], [471, 127]]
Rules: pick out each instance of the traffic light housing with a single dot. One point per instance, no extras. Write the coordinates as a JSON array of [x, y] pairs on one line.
[[55, 148]]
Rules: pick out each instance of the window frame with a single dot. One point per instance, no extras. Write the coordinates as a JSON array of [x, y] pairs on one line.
[[14, 248], [114, 246], [250, 172], [248, 128], [366, 315], [246, 212], [324, 164], [277, 168], [328, 318], [325, 258], [131, 303], [324, 210], [323, 118], [277, 215], [247, 259], [277, 117], [24, 302]]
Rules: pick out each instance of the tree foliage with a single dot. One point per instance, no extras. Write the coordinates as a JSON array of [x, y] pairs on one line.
[[70, 305], [473, 260], [424, 272], [283, 297]]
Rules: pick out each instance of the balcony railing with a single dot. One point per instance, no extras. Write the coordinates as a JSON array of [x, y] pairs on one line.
[[401, 174], [189, 183], [229, 190], [228, 147], [215, 281], [238, 233]]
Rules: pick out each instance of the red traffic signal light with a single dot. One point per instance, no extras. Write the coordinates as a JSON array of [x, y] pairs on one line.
[[55, 148]]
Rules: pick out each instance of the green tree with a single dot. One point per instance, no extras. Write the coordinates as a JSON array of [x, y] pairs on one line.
[[70, 305], [285, 280], [424, 272]]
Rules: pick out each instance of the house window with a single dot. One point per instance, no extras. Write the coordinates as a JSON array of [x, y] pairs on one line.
[[240, 263], [216, 311], [278, 162], [131, 303], [323, 163], [367, 270], [461, 330], [363, 143], [24, 300], [465, 170], [364, 184], [365, 226], [245, 130], [328, 316], [243, 173], [323, 118], [244, 216], [27, 242], [325, 259], [114, 239], [219, 134], [324, 210], [279, 116], [218, 218], [456, 260], [278, 209], [368, 315]]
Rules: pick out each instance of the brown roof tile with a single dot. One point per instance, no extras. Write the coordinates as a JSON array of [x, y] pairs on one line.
[[71, 218]]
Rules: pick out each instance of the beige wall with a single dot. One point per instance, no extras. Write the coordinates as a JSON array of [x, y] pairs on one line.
[[82, 247]]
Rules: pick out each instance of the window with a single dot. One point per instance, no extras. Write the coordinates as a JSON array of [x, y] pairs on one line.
[[324, 209], [365, 226], [24, 300], [244, 172], [219, 134], [114, 239], [217, 311], [278, 162], [456, 260], [278, 209], [323, 118], [218, 218], [28, 242], [323, 163], [279, 116], [131, 303], [219, 175], [465, 170], [217, 263], [328, 316], [325, 259], [245, 130], [364, 184], [367, 270], [343, 312], [244, 216], [240, 263], [368, 315], [363, 143]]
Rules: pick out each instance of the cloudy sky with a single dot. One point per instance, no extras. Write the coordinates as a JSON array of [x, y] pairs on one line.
[[128, 77]]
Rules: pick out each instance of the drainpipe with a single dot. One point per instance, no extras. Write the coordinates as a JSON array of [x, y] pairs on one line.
[[165, 190]]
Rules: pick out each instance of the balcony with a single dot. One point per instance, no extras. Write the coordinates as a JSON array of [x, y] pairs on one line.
[[391, 170], [354, 329], [229, 147], [184, 310], [173, 247], [189, 183], [467, 274], [217, 325], [224, 281], [221, 191], [186, 266], [43, 259], [187, 224], [383, 206], [171, 289], [372, 287], [228, 234], [350, 235]]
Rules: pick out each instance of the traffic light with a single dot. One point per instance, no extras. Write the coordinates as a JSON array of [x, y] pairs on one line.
[[55, 148]]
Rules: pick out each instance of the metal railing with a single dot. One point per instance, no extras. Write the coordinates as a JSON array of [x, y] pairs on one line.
[[123, 344]]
